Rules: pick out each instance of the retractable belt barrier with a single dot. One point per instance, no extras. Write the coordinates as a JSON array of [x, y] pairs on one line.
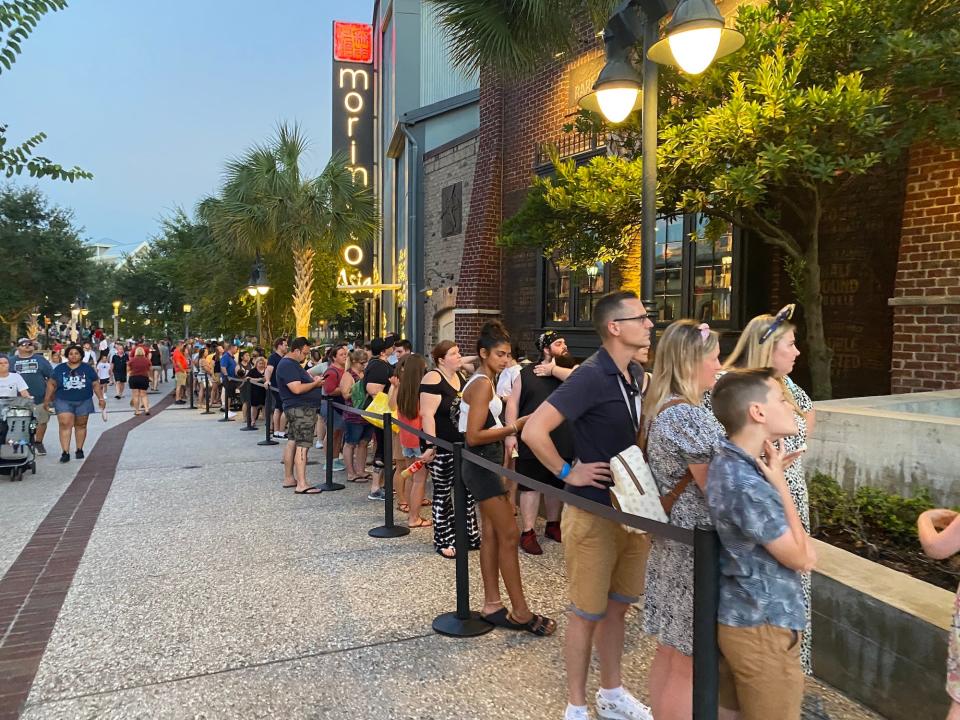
[[466, 623]]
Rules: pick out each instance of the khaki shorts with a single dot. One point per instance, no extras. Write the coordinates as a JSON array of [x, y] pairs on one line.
[[41, 413], [604, 562], [301, 425], [752, 656], [181, 379]]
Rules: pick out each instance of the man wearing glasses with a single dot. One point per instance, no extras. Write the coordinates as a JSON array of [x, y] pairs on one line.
[[600, 402]]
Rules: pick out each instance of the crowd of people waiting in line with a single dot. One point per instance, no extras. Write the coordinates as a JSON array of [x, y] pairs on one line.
[[723, 441]]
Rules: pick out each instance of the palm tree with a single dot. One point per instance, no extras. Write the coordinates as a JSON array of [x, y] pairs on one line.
[[513, 37], [266, 204]]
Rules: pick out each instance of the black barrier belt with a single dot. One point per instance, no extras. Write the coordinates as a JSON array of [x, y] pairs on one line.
[[673, 532]]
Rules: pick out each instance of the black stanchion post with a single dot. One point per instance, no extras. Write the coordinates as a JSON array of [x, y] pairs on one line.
[[706, 602], [249, 412], [268, 418], [192, 389], [328, 470], [388, 529], [227, 398], [463, 622], [206, 392]]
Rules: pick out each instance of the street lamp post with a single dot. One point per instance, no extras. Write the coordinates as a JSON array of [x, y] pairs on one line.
[[187, 309], [116, 319], [695, 37], [257, 287]]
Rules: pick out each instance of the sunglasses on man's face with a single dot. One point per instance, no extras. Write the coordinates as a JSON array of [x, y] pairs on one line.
[[786, 313]]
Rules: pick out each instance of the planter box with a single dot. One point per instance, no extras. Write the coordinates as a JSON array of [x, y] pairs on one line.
[[899, 443], [880, 636]]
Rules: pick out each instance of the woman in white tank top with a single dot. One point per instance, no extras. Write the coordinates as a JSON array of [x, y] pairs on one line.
[[480, 410]]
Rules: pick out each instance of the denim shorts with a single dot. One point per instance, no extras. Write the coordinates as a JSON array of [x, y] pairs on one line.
[[79, 408], [355, 433], [412, 453]]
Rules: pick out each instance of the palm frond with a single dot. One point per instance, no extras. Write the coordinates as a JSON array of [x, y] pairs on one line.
[[511, 36]]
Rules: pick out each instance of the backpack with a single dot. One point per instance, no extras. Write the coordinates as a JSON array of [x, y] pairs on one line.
[[358, 393], [326, 374]]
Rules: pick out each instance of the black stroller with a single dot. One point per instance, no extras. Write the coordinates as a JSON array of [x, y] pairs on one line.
[[17, 428]]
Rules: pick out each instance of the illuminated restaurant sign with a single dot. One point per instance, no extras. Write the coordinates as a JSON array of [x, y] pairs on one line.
[[352, 124]]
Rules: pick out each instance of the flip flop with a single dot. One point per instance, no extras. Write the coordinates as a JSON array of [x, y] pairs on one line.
[[403, 507], [426, 502], [447, 557], [422, 523], [501, 618], [288, 486], [309, 491]]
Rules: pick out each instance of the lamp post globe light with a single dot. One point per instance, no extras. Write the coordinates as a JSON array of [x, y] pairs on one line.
[[257, 287], [694, 38], [116, 319], [187, 309]]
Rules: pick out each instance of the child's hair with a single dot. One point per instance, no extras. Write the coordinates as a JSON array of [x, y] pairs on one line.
[[735, 391], [408, 391], [104, 354], [680, 352], [492, 334]]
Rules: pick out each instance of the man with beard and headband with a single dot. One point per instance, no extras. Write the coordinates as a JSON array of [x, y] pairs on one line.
[[530, 388]]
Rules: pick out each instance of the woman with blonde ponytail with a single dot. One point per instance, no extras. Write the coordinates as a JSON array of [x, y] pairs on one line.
[[682, 436]]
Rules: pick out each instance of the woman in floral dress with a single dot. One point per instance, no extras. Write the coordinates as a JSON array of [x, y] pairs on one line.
[[682, 436], [770, 341]]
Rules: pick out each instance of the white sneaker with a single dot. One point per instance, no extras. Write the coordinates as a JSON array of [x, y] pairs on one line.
[[231, 415], [626, 707], [580, 713], [318, 445]]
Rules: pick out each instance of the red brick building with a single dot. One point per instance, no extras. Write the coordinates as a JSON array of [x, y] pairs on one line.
[[890, 251]]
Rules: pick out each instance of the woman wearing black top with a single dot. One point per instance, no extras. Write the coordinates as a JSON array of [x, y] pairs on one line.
[[119, 361], [258, 394], [156, 366], [439, 390]]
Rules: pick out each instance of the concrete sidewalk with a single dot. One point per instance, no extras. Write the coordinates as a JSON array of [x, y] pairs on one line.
[[206, 591]]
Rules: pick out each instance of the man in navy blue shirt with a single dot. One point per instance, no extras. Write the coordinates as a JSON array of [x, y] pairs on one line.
[[228, 377], [301, 393], [764, 549], [605, 564]]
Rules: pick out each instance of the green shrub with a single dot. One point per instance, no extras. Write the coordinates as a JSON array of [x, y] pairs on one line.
[[870, 515]]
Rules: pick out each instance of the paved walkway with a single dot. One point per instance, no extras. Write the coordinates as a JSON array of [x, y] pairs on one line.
[[206, 591]]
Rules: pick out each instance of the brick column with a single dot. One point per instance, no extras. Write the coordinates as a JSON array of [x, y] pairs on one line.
[[926, 302], [478, 294]]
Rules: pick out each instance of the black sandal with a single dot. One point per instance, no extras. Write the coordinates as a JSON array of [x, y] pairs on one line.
[[539, 625], [501, 618]]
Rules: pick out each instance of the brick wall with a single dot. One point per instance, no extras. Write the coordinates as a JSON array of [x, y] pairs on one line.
[[478, 292], [926, 302], [513, 118], [443, 255]]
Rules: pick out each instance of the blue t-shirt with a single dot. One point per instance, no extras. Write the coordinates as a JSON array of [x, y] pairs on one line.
[[76, 384], [593, 400], [35, 370], [288, 371], [228, 366], [747, 511]]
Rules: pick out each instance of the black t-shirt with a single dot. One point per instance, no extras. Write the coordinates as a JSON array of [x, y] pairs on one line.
[[379, 373], [594, 402], [289, 370], [533, 391], [272, 361], [446, 430]]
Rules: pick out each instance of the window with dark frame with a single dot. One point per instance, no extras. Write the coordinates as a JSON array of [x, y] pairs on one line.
[[569, 295]]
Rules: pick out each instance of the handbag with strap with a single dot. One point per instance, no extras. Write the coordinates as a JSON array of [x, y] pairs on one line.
[[667, 500], [634, 490]]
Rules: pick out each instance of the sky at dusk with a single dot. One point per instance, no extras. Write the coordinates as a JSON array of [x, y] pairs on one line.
[[153, 97]]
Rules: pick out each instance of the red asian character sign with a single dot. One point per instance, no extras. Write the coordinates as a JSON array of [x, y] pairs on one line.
[[352, 42]]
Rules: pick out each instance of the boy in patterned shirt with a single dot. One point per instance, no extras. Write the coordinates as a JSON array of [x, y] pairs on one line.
[[764, 549]]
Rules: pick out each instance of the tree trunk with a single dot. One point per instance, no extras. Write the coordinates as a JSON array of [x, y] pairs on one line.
[[303, 290], [819, 353], [14, 329], [630, 266]]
